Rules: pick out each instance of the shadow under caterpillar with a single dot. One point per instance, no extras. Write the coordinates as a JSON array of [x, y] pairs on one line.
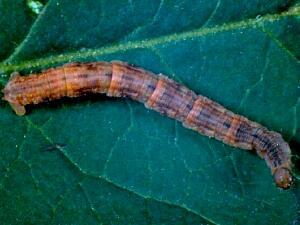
[[158, 93]]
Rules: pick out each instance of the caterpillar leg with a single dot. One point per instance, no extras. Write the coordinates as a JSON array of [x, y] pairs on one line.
[[19, 109]]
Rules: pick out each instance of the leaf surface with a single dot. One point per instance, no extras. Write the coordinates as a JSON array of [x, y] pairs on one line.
[[112, 161]]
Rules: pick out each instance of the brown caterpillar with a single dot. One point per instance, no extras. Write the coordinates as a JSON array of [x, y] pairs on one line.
[[159, 93]]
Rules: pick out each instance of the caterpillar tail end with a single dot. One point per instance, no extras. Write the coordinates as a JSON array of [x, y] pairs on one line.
[[10, 96]]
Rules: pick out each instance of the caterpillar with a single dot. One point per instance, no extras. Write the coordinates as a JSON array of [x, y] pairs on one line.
[[159, 93]]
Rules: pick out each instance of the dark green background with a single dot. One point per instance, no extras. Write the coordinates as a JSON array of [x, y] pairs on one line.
[[100, 160]]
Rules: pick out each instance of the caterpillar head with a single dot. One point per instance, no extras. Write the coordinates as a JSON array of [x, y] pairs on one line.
[[282, 171], [271, 146], [283, 178]]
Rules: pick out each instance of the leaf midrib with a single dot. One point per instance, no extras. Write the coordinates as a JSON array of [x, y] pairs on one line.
[[45, 62]]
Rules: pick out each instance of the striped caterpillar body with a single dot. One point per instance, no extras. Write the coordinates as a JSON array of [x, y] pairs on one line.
[[159, 93]]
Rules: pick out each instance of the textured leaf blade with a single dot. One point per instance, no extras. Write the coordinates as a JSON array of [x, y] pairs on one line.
[[133, 161]]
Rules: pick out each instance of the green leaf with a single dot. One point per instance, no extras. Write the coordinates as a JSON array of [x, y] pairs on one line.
[[111, 161]]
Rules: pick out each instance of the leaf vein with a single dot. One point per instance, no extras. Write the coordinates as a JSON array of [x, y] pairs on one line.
[[33, 26], [106, 179], [145, 43]]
